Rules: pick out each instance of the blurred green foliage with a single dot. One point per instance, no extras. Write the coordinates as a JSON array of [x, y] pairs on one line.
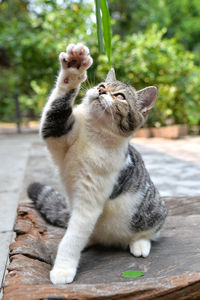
[[33, 32], [149, 59], [32, 35], [179, 17]]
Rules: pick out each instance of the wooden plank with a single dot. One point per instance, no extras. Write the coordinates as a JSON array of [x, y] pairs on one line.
[[184, 287], [183, 205], [172, 271]]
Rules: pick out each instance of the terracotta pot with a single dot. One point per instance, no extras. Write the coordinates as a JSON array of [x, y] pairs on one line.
[[170, 132], [143, 133]]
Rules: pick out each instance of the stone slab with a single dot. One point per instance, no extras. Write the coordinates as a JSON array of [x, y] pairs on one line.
[[183, 205], [8, 210], [5, 240], [187, 148], [172, 271], [14, 151], [40, 168], [13, 156], [173, 176], [175, 171]]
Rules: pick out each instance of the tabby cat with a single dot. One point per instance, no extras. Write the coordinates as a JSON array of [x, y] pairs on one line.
[[110, 198]]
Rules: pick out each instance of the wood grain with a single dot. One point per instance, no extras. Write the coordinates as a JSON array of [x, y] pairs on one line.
[[172, 271]]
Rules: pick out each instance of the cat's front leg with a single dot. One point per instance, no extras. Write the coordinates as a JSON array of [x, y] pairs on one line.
[[74, 63], [80, 228], [140, 247], [57, 117]]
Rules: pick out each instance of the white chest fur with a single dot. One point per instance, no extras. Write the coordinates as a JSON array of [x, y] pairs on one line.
[[91, 164]]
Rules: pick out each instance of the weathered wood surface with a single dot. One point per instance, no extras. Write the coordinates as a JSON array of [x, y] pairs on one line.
[[172, 271], [183, 205]]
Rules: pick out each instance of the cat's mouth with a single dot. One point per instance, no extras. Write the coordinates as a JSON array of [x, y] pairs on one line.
[[97, 99], [100, 101]]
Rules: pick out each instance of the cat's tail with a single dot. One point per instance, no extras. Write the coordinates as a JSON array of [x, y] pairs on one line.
[[51, 204]]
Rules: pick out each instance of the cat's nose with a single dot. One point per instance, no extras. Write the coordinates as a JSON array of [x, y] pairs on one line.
[[102, 91]]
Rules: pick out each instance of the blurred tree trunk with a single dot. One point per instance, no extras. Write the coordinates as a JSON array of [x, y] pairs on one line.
[[17, 113]]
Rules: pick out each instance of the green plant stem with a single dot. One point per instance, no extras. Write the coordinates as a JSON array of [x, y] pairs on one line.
[[99, 26]]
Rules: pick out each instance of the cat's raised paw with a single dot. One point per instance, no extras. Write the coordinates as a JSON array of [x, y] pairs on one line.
[[140, 247], [76, 58], [60, 275]]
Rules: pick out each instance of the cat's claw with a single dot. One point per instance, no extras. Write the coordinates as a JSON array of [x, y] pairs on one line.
[[140, 247], [76, 58], [60, 275]]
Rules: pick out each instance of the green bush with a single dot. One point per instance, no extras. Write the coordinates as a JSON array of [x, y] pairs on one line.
[[30, 41], [149, 59], [181, 18]]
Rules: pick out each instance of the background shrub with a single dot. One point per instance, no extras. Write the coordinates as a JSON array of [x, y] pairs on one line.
[[150, 59], [163, 51]]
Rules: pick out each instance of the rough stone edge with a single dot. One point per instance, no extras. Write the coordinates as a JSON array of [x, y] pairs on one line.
[[186, 286]]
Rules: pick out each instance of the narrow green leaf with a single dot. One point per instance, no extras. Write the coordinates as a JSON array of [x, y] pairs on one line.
[[99, 26], [132, 274], [107, 32]]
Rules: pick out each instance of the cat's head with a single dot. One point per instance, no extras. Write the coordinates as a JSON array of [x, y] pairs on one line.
[[118, 105]]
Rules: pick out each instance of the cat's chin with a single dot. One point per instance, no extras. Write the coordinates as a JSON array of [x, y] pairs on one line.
[[95, 103], [100, 107], [92, 94], [94, 98]]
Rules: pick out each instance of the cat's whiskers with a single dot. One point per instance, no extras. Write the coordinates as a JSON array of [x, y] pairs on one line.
[[88, 83], [85, 89], [91, 83]]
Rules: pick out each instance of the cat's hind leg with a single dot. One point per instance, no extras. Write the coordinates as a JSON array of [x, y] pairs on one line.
[[140, 247]]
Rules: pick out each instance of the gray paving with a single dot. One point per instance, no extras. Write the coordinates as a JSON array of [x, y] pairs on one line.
[[174, 167], [173, 176], [187, 148], [14, 152]]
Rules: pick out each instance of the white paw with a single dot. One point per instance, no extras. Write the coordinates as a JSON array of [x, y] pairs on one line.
[[60, 275], [76, 58], [141, 247]]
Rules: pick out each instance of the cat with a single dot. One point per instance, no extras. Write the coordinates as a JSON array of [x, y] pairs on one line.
[[110, 198]]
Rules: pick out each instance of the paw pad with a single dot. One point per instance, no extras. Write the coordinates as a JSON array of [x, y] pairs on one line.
[[76, 57]]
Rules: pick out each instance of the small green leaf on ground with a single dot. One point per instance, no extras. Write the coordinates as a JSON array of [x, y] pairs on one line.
[[132, 274]]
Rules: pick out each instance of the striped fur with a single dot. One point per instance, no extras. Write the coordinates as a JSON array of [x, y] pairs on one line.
[[50, 203], [110, 198], [59, 119]]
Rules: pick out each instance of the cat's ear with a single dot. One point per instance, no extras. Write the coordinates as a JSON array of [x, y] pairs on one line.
[[111, 76], [147, 98]]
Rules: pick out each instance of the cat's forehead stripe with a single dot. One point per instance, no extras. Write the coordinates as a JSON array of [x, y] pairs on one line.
[[123, 86]]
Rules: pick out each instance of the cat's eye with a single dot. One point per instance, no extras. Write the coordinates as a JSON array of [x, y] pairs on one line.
[[120, 96], [101, 86]]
